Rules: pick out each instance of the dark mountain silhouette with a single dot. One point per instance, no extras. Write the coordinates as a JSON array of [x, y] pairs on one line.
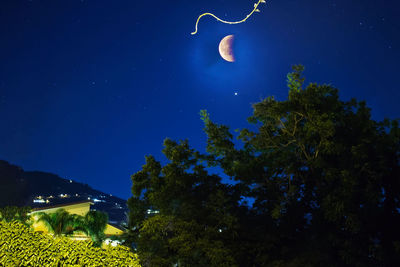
[[40, 189]]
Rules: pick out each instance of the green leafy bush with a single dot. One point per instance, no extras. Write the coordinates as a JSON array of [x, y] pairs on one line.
[[11, 213], [21, 246]]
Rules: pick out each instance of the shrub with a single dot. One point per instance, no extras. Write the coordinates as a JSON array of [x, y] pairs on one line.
[[11, 213], [21, 246]]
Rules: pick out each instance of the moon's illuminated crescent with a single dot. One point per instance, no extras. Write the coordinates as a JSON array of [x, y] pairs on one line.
[[226, 48]]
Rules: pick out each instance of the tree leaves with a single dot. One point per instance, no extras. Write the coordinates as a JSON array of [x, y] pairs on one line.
[[21, 246], [61, 223], [322, 175]]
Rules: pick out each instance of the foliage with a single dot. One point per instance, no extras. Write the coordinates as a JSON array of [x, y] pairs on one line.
[[185, 215], [11, 213], [323, 176], [61, 222], [21, 246], [95, 222]]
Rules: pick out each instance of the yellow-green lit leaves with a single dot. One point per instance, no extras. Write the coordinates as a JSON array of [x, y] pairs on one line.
[[21, 246]]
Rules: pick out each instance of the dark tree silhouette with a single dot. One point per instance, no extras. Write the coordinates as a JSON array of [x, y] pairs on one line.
[[324, 179]]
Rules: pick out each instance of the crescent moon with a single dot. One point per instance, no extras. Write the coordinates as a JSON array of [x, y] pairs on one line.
[[226, 48]]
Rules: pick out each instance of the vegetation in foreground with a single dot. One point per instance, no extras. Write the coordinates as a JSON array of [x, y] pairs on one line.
[[61, 222], [324, 179], [11, 213], [21, 246]]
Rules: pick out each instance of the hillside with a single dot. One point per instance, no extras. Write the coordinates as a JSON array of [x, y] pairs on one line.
[[40, 189]]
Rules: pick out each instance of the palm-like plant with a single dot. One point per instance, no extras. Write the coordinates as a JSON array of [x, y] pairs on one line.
[[61, 222], [95, 224]]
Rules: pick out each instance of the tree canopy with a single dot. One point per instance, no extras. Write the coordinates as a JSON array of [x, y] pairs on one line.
[[322, 175]]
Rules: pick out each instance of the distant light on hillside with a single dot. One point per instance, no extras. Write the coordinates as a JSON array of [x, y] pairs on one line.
[[150, 211]]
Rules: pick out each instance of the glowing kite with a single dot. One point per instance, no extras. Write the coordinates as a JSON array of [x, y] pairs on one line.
[[230, 22]]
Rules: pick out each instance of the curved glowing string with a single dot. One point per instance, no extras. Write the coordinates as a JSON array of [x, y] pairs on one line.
[[229, 22]]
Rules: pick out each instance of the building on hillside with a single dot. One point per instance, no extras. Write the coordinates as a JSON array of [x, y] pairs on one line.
[[79, 208]]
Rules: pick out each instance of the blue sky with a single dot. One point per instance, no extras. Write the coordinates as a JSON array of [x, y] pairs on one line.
[[89, 87]]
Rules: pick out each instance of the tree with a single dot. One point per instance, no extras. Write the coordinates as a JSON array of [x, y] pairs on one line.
[[180, 214], [95, 222], [322, 172], [61, 222], [324, 179]]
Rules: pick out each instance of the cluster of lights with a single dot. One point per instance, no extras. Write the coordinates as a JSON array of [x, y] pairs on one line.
[[150, 211], [40, 199], [113, 243], [100, 198]]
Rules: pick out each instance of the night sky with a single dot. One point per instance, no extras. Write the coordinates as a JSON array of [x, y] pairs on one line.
[[89, 87]]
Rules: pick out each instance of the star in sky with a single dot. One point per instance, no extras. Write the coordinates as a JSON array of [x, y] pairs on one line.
[[127, 75]]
